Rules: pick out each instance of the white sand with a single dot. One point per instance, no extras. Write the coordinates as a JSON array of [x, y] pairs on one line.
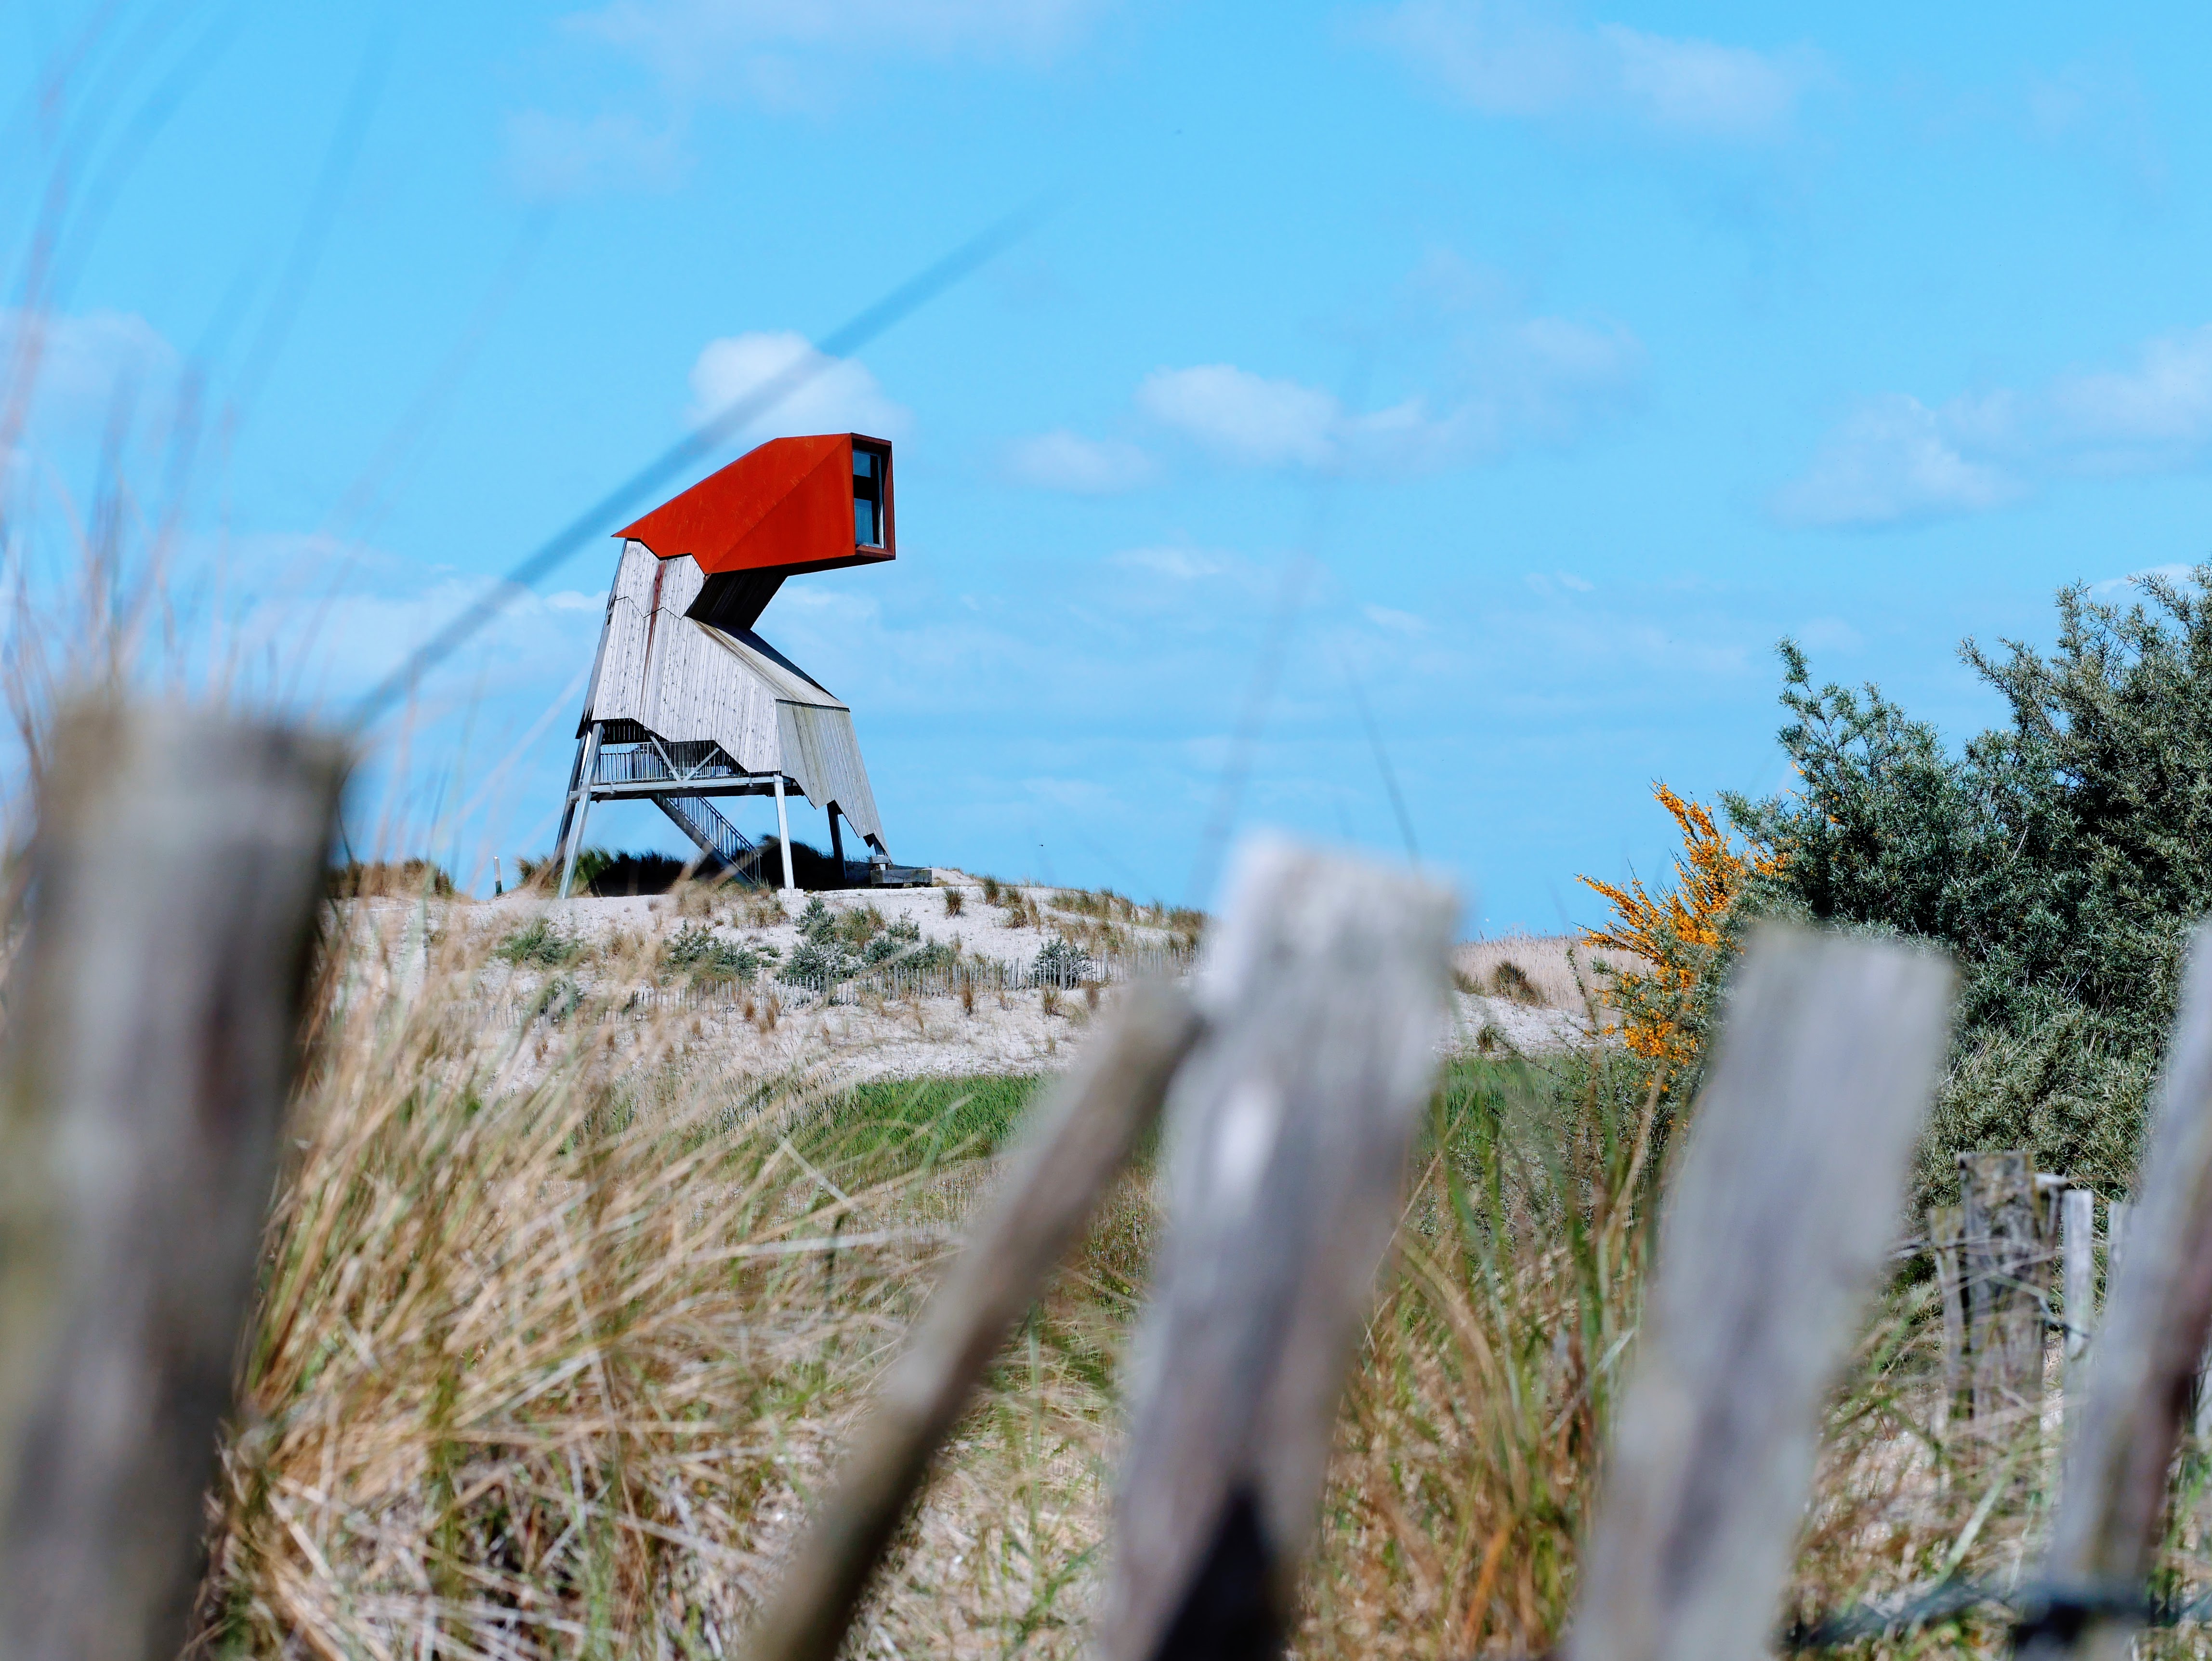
[[762, 1033]]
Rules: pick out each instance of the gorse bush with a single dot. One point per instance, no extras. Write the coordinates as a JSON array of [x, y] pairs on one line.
[[2061, 857], [1674, 944]]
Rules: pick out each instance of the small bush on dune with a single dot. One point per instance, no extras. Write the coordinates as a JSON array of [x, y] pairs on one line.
[[702, 955], [901, 943], [859, 925], [1060, 962], [539, 943]]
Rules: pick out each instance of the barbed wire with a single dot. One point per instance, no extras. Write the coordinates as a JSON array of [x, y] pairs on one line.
[[2036, 1609]]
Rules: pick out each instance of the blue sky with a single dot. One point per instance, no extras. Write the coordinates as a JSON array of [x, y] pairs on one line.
[[1523, 372]]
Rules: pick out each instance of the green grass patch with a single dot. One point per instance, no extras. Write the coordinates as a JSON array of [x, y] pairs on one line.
[[889, 1126]]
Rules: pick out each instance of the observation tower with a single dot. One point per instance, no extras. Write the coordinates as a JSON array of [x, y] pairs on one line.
[[688, 703]]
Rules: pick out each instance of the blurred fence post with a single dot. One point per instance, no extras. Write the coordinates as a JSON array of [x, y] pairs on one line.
[[1084, 1132], [176, 879], [2157, 1316], [1784, 1208], [1325, 991]]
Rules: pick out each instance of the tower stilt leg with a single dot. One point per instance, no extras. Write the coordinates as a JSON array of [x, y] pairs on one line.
[[783, 834], [579, 806]]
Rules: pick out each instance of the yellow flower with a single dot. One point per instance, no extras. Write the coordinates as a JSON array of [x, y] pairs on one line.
[[1654, 928]]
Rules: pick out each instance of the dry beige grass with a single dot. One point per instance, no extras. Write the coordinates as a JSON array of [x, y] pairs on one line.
[[555, 1351], [1550, 971], [554, 1348]]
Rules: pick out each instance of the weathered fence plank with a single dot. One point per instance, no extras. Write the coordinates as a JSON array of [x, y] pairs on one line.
[[1086, 1129], [2077, 1209], [1325, 989], [1782, 1212], [176, 877], [2005, 1266], [2158, 1317]]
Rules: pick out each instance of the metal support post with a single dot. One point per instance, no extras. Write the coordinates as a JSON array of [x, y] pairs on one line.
[[783, 834], [580, 805]]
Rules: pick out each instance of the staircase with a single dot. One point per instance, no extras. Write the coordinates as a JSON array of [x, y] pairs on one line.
[[701, 821]]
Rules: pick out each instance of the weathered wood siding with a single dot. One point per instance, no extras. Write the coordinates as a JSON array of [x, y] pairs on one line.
[[682, 680]]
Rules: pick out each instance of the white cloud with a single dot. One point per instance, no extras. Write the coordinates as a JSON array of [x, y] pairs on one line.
[[786, 54], [2173, 572], [1244, 417], [1179, 564], [1529, 59], [842, 397], [1895, 460], [79, 364], [1891, 462], [1544, 380], [1400, 623], [554, 157], [2161, 405], [1702, 89], [1062, 460]]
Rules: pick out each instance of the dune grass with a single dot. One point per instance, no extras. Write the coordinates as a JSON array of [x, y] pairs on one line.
[[560, 1334], [558, 1339], [898, 1127]]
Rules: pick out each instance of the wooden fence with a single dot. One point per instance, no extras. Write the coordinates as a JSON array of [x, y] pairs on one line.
[[151, 1022], [560, 999]]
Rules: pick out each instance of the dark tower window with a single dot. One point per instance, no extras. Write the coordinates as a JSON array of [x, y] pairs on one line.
[[868, 470]]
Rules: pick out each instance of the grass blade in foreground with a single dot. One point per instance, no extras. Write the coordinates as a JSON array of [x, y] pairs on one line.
[[1787, 1195], [1086, 1132], [176, 875], [1324, 991]]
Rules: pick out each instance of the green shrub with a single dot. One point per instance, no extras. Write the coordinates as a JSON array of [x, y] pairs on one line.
[[702, 955], [2061, 857], [539, 944], [1061, 961], [901, 943]]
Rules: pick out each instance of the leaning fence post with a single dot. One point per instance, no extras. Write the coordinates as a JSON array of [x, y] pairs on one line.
[[1084, 1131], [1325, 989], [176, 877], [2157, 1318], [1781, 1214]]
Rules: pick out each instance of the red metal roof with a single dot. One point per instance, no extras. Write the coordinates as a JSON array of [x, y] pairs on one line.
[[787, 505]]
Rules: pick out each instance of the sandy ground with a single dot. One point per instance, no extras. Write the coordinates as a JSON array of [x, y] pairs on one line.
[[765, 1032]]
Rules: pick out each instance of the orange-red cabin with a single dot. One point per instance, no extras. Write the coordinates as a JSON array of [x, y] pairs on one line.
[[687, 703], [790, 506]]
